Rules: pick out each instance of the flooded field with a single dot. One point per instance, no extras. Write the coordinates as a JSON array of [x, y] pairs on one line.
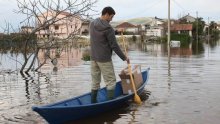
[[182, 88]]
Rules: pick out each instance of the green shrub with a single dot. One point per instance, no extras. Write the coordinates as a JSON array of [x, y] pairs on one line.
[[183, 38]]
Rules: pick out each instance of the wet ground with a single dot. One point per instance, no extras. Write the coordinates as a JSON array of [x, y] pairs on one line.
[[182, 89]]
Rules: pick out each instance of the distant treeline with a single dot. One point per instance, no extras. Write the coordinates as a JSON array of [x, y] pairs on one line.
[[15, 41]]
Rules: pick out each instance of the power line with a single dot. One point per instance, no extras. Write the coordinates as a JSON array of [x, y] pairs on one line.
[[179, 5], [156, 2]]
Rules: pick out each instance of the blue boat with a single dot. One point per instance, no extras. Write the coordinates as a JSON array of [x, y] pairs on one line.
[[80, 107]]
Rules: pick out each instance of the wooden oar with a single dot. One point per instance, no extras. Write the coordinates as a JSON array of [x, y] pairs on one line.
[[136, 97]]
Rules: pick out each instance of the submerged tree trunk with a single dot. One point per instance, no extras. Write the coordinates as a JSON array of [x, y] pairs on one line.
[[41, 64], [24, 64], [32, 63]]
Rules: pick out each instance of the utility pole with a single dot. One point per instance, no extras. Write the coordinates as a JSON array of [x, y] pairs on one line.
[[168, 44], [168, 35], [168, 47], [197, 39], [208, 36], [197, 33], [208, 30]]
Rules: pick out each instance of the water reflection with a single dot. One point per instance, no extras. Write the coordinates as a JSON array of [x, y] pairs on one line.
[[188, 49], [188, 79]]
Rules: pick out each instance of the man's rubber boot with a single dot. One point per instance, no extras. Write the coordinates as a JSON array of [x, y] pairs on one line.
[[110, 94], [94, 96]]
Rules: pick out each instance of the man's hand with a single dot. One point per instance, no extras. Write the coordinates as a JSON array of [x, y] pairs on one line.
[[128, 60]]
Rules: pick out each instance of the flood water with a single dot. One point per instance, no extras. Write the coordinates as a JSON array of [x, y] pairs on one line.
[[182, 88]]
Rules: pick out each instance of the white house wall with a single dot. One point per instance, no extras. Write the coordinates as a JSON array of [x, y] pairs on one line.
[[154, 32], [134, 30]]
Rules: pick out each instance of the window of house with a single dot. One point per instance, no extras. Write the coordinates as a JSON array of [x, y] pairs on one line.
[[56, 27], [47, 28]]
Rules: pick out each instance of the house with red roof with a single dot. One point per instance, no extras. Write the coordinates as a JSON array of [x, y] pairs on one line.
[[127, 27], [182, 28]]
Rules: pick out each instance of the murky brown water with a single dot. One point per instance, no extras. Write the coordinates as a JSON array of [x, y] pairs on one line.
[[184, 89]]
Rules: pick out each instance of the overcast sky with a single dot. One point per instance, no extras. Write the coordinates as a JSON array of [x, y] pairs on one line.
[[151, 8], [127, 9]]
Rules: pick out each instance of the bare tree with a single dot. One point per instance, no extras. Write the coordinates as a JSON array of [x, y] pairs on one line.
[[44, 17]]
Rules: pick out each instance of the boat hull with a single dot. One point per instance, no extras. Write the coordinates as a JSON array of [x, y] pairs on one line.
[[81, 106]]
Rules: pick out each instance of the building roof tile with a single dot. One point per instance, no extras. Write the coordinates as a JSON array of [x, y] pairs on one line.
[[126, 25], [181, 27]]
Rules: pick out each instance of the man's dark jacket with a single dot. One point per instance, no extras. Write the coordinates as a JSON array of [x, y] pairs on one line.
[[103, 41]]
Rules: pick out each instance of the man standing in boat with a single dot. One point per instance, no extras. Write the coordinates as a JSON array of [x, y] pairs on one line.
[[103, 42]]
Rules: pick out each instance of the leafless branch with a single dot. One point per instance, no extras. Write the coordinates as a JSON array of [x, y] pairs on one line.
[[41, 14]]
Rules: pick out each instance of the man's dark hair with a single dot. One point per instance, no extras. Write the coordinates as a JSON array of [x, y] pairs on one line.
[[108, 10]]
